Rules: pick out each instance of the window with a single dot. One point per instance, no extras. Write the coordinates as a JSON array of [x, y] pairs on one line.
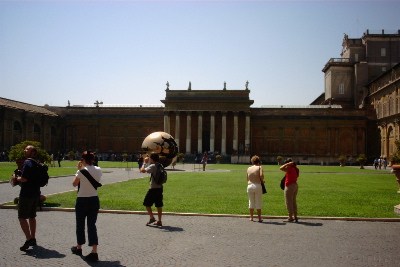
[[341, 89], [383, 69], [17, 127], [36, 128], [356, 57], [383, 52]]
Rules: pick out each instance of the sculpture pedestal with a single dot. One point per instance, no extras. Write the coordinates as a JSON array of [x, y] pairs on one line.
[[397, 209]]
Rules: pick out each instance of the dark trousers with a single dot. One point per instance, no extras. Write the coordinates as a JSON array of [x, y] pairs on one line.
[[87, 208]]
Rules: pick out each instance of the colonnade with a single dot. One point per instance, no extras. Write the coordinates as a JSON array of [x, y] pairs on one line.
[[189, 115]]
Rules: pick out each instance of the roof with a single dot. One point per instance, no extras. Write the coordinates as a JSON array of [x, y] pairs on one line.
[[12, 104]]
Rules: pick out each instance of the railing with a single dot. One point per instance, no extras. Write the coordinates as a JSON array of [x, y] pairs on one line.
[[374, 31], [302, 106], [119, 106], [339, 60]]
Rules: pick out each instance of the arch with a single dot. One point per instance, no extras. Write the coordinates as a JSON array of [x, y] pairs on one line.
[[36, 128], [17, 132], [36, 132]]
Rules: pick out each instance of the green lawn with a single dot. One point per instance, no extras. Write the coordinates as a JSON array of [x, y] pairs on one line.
[[67, 168], [323, 191]]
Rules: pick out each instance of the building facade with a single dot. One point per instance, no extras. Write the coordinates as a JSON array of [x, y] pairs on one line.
[[361, 90], [384, 96]]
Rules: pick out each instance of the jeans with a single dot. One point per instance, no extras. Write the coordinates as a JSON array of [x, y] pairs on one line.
[[87, 207]]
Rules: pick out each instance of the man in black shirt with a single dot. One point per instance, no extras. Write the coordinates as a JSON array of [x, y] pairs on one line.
[[28, 197]]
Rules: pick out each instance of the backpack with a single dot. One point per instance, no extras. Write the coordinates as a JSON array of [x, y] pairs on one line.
[[161, 175], [41, 169]]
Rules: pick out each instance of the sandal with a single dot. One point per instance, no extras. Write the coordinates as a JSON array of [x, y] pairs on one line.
[[158, 223], [289, 220], [151, 221]]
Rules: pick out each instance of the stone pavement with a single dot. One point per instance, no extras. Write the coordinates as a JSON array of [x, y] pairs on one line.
[[124, 240]]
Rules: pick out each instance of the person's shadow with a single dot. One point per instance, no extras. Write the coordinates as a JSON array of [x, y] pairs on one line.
[[104, 263], [167, 228], [309, 223], [40, 252]]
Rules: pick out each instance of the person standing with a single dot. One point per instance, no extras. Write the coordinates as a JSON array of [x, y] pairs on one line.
[[140, 161], [204, 160], [291, 188], [155, 193], [59, 158], [29, 197], [87, 204], [255, 176]]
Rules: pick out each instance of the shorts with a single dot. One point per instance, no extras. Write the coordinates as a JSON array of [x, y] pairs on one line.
[[154, 196], [27, 207]]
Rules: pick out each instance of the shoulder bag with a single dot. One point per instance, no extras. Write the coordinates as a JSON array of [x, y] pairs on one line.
[[90, 178], [264, 189]]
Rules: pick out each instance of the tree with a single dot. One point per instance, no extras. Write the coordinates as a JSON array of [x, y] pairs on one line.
[[17, 151], [342, 160], [362, 159]]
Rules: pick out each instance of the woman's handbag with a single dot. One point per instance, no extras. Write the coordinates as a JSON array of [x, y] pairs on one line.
[[283, 183], [264, 189]]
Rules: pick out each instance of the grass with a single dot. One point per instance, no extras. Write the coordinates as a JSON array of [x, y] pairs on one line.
[[323, 191], [67, 168]]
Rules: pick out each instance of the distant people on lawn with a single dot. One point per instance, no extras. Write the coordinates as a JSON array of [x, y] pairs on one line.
[[204, 160], [140, 161], [255, 176], [291, 188], [155, 193], [59, 158]]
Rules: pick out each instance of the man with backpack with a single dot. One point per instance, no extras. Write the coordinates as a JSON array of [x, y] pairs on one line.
[[155, 193], [29, 197]]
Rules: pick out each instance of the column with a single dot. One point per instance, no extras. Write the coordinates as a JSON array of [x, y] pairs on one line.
[[200, 133], [177, 128], [212, 132], [166, 122], [247, 133], [223, 134], [188, 132], [235, 131]]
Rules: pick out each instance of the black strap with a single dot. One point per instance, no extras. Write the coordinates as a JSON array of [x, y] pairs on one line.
[[90, 178]]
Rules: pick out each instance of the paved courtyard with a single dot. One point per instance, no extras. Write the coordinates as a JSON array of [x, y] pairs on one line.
[[124, 240]]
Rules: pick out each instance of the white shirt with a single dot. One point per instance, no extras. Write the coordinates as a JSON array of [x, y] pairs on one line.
[[86, 189]]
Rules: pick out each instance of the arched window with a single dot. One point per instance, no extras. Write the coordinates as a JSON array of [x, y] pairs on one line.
[[17, 127], [17, 132], [53, 131], [36, 129]]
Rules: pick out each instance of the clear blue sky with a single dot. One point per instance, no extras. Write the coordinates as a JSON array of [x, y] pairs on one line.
[[124, 52]]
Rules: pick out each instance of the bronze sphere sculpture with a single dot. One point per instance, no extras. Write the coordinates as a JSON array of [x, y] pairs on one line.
[[163, 144]]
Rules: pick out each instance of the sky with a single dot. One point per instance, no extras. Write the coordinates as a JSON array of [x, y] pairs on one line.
[[124, 52]]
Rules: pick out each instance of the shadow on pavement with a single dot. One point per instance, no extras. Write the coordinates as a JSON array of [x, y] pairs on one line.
[[309, 223], [40, 252]]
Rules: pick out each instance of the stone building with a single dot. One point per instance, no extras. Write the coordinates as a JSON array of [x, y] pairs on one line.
[[341, 121], [22, 121], [384, 96]]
